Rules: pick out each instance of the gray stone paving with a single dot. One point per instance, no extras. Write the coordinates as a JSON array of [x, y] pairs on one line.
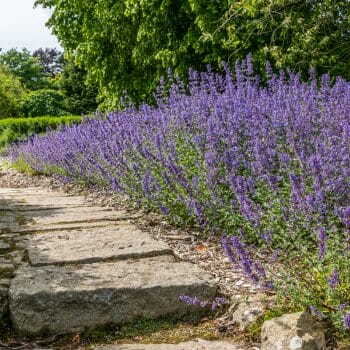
[[198, 344], [117, 242], [74, 298], [78, 267]]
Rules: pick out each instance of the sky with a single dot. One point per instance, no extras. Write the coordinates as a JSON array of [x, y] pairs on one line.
[[22, 26]]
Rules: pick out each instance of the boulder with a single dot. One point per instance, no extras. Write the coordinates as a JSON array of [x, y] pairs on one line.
[[246, 311], [298, 331]]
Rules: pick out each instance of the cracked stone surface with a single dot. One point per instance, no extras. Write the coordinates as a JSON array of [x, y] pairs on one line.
[[54, 299], [118, 242], [71, 266]]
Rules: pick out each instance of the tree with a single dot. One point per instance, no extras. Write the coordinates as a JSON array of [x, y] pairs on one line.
[[298, 34], [126, 45], [11, 93], [51, 60], [25, 67], [79, 94]]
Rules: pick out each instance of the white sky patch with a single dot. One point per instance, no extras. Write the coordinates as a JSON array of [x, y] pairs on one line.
[[22, 26]]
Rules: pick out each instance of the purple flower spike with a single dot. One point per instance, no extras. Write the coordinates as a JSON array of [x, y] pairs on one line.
[[347, 320], [333, 280], [322, 245], [218, 301], [316, 312]]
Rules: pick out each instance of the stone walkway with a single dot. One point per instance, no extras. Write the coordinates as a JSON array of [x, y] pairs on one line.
[[67, 267]]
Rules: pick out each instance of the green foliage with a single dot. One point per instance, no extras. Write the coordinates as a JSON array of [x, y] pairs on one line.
[[79, 94], [11, 93], [14, 129], [43, 102], [126, 46], [26, 67], [289, 33], [22, 166]]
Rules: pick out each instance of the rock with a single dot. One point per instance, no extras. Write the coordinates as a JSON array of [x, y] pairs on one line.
[[7, 269], [4, 247], [198, 344], [118, 242], [298, 331], [246, 311], [54, 299]]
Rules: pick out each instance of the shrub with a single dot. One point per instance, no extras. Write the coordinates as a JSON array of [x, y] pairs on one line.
[[15, 129], [43, 102], [11, 93], [266, 165]]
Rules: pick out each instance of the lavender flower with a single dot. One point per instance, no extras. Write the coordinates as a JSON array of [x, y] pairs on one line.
[[347, 320], [333, 280], [230, 155], [225, 243], [218, 301], [316, 312], [322, 245]]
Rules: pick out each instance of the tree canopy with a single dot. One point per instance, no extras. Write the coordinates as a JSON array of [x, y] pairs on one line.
[[79, 94], [26, 67], [297, 34], [44, 83], [51, 60], [126, 45]]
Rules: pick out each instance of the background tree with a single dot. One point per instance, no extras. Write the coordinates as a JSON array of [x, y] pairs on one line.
[[51, 60], [11, 93], [79, 94], [26, 67]]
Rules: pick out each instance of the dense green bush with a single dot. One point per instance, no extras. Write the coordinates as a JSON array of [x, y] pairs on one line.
[[43, 102], [14, 129], [11, 93]]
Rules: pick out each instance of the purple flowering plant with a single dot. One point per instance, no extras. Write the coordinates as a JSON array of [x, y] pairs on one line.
[[265, 165]]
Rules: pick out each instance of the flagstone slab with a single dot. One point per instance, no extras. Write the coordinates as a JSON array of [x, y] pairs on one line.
[[117, 242], [198, 344], [62, 226], [73, 298], [42, 200], [70, 215], [31, 190]]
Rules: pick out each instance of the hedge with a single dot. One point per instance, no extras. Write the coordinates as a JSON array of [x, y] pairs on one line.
[[16, 129]]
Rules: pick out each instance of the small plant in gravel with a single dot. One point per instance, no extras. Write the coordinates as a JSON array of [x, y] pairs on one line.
[[268, 165]]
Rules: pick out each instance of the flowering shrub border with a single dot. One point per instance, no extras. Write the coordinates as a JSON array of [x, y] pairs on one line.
[[266, 165]]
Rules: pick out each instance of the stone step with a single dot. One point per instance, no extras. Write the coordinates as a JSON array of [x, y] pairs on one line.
[[66, 215], [62, 226], [31, 190], [42, 199], [198, 344], [117, 242], [55, 299]]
